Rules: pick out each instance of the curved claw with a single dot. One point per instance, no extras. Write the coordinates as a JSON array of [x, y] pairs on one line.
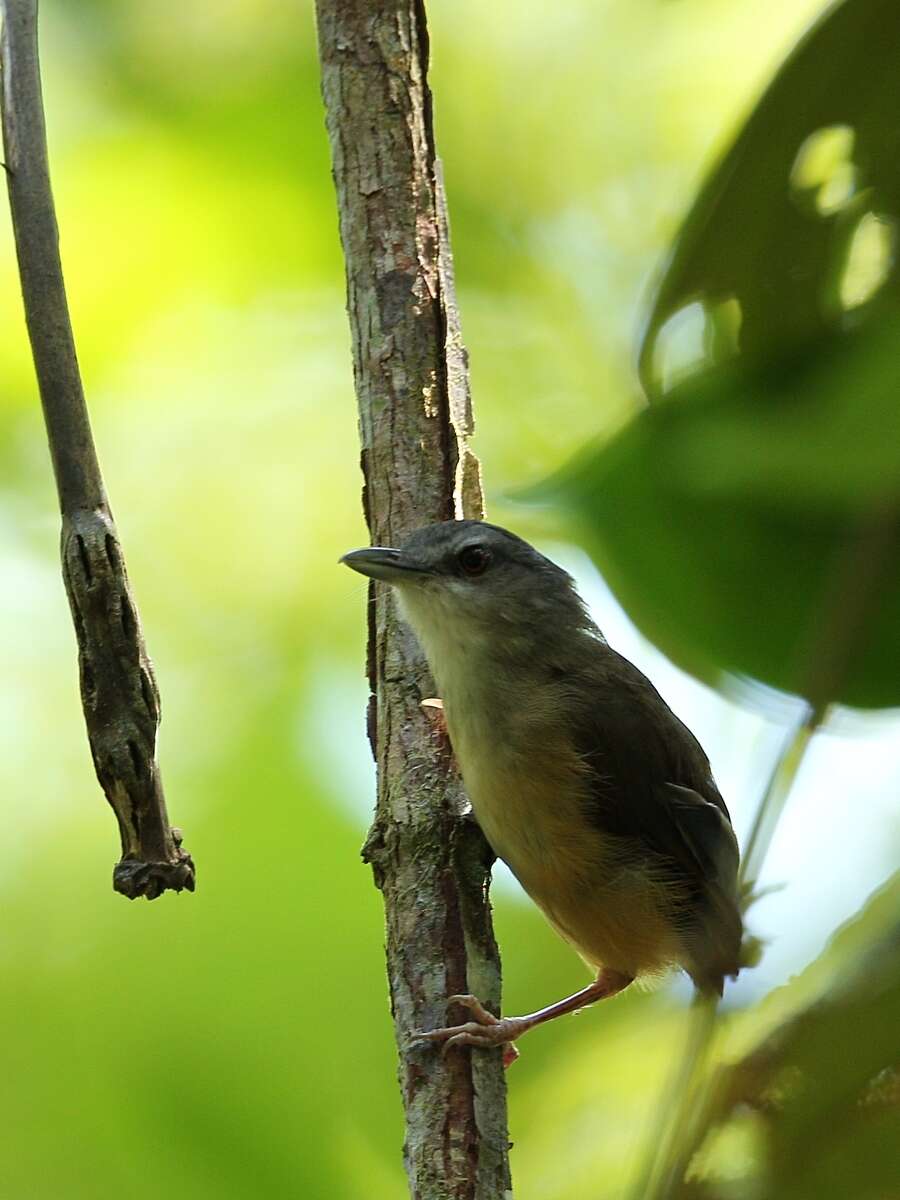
[[467, 1038], [510, 1054], [450, 1032], [486, 1031], [474, 1005]]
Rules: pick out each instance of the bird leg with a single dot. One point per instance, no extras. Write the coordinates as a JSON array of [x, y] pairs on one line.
[[488, 1030]]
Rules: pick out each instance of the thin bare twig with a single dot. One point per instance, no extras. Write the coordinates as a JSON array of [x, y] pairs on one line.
[[118, 690]]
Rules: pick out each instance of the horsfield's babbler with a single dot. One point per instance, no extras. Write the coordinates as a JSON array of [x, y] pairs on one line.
[[582, 778]]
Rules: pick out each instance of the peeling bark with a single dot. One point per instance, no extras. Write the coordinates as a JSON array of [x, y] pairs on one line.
[[429, 859]]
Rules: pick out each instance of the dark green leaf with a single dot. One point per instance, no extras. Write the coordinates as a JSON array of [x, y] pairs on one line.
[[749, 524], [796, 225]]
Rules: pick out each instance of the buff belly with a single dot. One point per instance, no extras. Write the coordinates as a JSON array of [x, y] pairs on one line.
[[613, 913]]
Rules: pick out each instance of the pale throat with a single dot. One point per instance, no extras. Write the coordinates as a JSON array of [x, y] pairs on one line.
[[499, 716], [471, 678]]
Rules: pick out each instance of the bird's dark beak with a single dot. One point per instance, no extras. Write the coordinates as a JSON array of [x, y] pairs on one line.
[[381, 562]]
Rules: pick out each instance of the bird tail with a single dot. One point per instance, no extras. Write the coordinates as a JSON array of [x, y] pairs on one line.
[[715, 950]]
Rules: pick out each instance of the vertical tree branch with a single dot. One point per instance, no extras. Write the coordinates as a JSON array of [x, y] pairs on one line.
[[430, 862], [118, 690]]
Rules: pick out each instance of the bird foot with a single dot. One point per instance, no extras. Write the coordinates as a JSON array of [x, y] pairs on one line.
[[485, 1030]]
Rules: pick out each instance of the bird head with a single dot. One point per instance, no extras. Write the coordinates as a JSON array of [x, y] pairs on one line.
[[469, 585]]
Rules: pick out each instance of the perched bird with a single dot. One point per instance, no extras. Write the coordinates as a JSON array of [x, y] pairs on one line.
[[584, 781]]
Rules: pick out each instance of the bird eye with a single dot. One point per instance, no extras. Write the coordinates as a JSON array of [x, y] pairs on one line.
[[474, 560]]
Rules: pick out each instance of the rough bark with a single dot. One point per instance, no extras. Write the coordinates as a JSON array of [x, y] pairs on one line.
[[430, 861], [118, 690]]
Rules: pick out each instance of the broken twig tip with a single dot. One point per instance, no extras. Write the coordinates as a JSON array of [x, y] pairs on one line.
[[134, 879]]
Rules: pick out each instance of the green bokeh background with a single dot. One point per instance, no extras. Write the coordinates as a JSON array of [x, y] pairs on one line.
[[237, 1042]]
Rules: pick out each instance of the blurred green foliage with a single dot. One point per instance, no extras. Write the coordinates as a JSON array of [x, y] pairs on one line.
[[743, 498], [237, 1042], [761, 497], [764, 493], [819, 1093]]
